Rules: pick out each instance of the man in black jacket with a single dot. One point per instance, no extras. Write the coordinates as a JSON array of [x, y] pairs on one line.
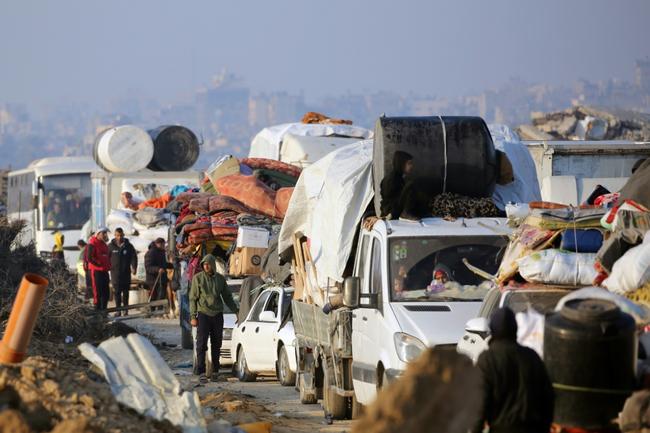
[[156, 265], [517, 393], [124, 262]]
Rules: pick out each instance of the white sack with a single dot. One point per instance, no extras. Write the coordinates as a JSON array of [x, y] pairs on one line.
[[530, 330], [152, 233], [140, 244], [632, 270], [525, 187], [327, 205], [120, 218], [558, 267]]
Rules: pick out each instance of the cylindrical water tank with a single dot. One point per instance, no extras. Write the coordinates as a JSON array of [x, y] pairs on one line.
[[123, 149], [590, 355], [176, 148]]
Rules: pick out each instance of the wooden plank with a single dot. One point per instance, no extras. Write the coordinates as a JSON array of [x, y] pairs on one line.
[[158, 303]]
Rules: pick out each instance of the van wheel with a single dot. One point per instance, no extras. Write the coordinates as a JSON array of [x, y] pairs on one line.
[[243, 373], [333, 404], [305, 397], [284, 373]]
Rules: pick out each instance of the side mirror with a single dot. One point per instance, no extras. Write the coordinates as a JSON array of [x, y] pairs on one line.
[[35, 187], [267, 316], [351, 289], [477, 325]]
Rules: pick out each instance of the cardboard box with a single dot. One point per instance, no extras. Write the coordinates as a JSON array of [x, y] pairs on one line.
[[252, 237], [246, 261]]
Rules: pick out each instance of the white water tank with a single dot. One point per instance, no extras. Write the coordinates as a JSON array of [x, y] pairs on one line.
[[123, 149]]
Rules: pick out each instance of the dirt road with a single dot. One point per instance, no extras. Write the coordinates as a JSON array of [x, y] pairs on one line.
[[237, 402]]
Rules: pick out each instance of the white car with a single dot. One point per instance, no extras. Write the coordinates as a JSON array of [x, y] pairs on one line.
[[477, 330], [265, 342]]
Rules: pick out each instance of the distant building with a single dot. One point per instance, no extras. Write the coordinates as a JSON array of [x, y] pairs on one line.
[[4, 177], [642, 74]]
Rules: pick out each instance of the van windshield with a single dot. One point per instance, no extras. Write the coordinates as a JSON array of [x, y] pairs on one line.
[[432, 269], [66, 201]]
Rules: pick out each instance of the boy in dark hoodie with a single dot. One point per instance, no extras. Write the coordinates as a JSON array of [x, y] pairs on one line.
[[392, 185], [208, 293], [124, 262]]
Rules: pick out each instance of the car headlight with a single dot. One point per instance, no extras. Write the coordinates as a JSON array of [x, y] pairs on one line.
[[408, 347], [227, 334]]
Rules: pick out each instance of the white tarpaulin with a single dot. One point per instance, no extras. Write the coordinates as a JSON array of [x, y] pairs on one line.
[[525, 187], [142, 380], [266, 143], [303, 151], [327, 205]]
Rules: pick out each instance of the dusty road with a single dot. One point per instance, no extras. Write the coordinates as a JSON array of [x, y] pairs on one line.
[[237, 402]]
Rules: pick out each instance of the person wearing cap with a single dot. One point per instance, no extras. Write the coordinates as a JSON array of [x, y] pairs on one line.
[[156, 265], [208, 293], [517, 392], [124, 262], [99, 264]]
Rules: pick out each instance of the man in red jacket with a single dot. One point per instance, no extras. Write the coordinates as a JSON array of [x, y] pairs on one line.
[[99, 263]]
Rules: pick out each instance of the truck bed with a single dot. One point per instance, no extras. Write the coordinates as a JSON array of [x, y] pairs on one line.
[[331, 331]]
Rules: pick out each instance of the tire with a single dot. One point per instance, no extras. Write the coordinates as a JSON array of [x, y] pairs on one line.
[[187, 342], [333, 404], [243, 373], [305, 397], [284, 373]]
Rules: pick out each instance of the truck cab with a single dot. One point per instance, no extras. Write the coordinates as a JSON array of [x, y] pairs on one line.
[[413, 289]]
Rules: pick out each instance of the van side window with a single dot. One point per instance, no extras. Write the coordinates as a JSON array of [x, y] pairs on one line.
[[272, 304], [376, 275]]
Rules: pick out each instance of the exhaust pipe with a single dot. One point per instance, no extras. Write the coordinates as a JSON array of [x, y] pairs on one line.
[[22, 319]]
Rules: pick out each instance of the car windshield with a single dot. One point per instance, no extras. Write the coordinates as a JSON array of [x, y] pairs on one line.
[[234, 289], [432, 269], [542, 301], [66, 201]]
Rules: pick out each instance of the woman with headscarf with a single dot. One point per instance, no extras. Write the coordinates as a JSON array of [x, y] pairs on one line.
[[392, 185]]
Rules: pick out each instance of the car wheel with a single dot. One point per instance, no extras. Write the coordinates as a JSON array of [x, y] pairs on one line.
[[243, 373], [285, 375], [305, 396]]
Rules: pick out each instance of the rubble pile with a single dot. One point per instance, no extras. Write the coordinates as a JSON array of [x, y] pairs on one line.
[[587, 123], [63, 313], [41, 395]]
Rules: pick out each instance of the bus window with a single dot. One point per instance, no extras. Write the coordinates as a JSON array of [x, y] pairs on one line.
[[66, 201]]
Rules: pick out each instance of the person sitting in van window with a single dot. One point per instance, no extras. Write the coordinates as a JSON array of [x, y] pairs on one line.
[[440, 278], [392, 185]]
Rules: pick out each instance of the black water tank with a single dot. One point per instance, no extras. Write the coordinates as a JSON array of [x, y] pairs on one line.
[[176, 148], [590, 354], [470, 154]]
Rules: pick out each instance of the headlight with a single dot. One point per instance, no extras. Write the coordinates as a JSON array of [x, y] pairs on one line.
[[408, 347], [227, 334]]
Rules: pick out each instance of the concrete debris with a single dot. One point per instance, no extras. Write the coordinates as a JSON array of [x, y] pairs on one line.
[[140, 379], [587, 123]]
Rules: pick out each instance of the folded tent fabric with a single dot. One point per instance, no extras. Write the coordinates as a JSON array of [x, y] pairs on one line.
[[273, 165], [616, 246], [250, 191]]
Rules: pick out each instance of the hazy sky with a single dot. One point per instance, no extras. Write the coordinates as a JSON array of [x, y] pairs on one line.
[[90, 50]]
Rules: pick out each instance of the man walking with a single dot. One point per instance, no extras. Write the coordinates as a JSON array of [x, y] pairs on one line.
[[208, 293], [517, 392], [99, 264], [124, 262]]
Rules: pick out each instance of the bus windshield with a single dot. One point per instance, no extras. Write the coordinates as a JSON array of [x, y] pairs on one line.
[[432, 269], [66, 201]]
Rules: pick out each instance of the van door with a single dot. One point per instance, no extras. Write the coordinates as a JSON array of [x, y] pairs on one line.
[[365, 321]]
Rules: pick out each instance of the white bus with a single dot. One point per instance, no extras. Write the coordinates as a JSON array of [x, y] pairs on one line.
[[52, 194]]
